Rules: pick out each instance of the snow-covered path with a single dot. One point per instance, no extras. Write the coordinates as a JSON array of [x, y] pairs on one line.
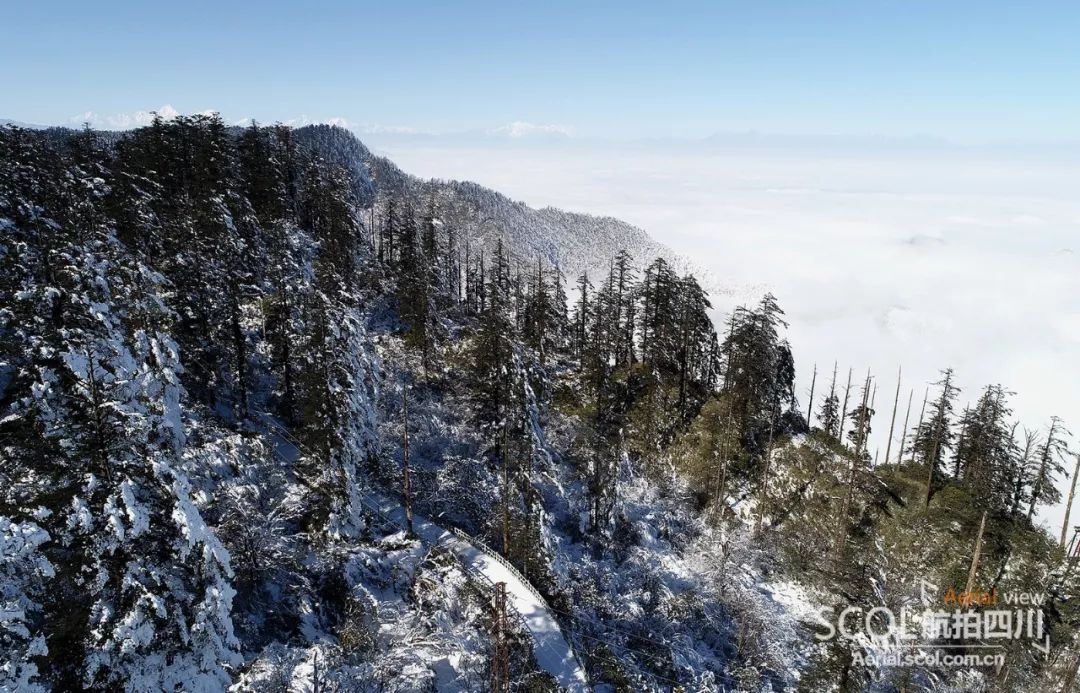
[[553, 653]]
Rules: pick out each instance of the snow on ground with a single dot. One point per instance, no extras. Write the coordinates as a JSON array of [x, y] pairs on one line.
[[553, 653], [409, 621], [798, 601], [881, 253]]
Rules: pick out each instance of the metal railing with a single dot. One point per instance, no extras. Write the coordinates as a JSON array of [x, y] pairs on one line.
[[492, 553], [391, 523], [268, 420]]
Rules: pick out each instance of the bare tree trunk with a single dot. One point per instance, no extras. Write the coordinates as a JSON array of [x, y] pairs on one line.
[[832, 384], [892, 421], [1069, 503], [727, 366], [500, 656], [843, 409], [406, 480], [505, 495], [976, 555], [841, 534], [931, 465], [466, 286], [860, 440], [721, 472], [721, 495], [922, 412], [842, 527], [903, 431], [810, 406], [765, 478]]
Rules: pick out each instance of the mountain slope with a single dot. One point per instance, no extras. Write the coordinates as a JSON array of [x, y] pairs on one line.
[[209, 367], [575, 243]]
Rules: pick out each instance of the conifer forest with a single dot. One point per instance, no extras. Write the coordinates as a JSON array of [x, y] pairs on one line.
[[276, 415]]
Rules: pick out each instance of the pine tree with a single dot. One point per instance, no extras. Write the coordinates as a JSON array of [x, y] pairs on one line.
[[141, 592], [416, 274], [829, 415], [1022, 470], [583, 317], [333, 382], [985, 449], [24, 575], [493, 354], [760, 378], [698, 354], [622, 309], [1044, 490], [283, 313], [862, 415], [559, 329], [537, 314], [934, 437], [659, 297]]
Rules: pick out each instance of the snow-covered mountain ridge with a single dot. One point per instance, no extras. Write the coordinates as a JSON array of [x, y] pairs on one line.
[[226, 356], [574, 242]]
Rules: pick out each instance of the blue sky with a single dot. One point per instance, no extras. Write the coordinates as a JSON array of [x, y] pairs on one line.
[[974, 259], [968, 71]]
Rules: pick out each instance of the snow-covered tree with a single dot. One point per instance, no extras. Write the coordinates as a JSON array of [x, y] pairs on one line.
[[24, 579]]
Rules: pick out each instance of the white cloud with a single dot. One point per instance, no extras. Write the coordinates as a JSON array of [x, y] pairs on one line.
[[376, 129], [932, 259], [520, 128]]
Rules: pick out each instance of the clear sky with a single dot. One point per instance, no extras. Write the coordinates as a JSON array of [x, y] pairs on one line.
[[972, 260], [963, 70]]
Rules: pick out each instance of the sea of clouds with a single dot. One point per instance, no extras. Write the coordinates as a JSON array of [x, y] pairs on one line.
[[882, 252]]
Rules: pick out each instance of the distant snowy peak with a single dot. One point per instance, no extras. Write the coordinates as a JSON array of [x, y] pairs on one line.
[[519, 129], [20, 124]]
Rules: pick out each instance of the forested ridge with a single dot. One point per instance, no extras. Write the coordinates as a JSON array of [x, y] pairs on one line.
[[215, 341]]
